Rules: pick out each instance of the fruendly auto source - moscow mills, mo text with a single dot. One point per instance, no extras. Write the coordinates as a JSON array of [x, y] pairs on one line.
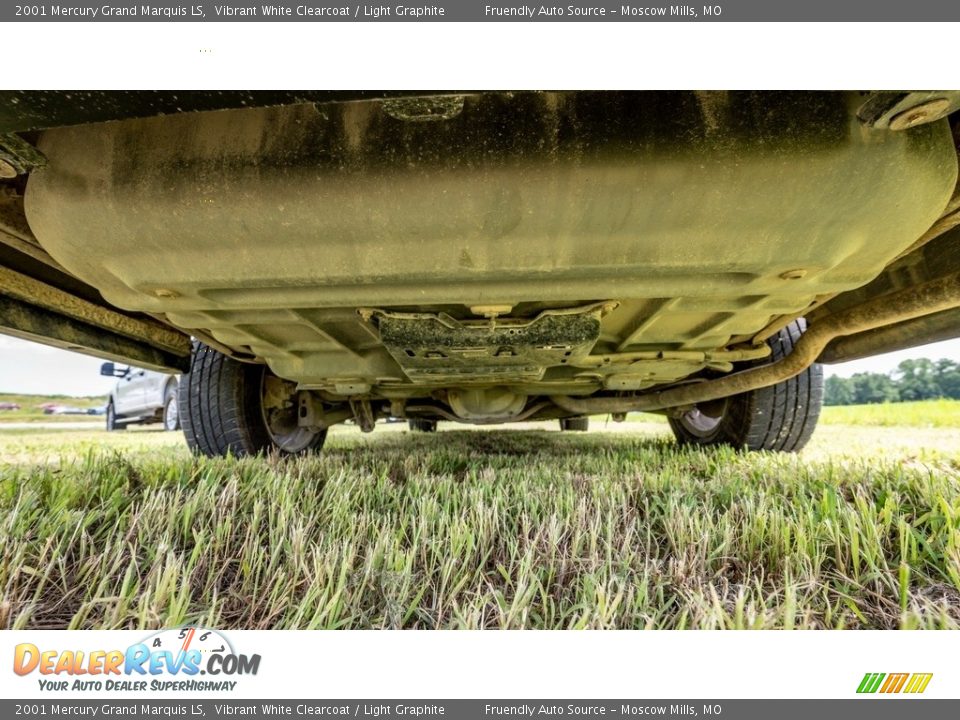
[[531, 12]]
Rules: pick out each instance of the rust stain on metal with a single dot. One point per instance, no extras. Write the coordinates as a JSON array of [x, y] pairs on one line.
[[37, 293]]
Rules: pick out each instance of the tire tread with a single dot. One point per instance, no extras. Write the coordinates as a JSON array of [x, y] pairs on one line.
[[220, 406], [781, 417]]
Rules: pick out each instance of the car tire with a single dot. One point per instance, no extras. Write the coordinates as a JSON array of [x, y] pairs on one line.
[[575, 424], [171, 409], [422, 425], [780, 417], [111, 417], [223, 410]]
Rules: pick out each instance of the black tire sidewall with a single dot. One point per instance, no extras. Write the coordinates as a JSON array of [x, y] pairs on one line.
[[170, 397], [575, 424], [111, 419], [780, 417], [220, 403]]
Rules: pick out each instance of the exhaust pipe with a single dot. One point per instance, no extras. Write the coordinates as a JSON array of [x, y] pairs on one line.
[[932, 297]]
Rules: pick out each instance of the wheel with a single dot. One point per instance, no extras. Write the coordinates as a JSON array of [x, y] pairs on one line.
[[171, 411], [230, 407], [780, 417], [423, 425], [112, 424], [575, 424]]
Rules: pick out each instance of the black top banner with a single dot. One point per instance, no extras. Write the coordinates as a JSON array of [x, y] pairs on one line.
[[483, 11]]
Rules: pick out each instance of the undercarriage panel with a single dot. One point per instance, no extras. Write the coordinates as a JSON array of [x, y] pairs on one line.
[[698, 217]]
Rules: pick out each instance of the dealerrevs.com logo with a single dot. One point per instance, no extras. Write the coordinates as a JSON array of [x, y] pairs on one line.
[[181, 659], [910, 683]]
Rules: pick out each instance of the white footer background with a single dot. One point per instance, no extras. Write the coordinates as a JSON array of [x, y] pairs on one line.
[[518, 664]]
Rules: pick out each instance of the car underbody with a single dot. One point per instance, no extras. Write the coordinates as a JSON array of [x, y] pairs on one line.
[[482, 257]]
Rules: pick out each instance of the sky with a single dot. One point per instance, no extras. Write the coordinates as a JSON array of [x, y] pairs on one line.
[[32, 369]]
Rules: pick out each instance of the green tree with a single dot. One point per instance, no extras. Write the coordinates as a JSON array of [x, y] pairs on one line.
[[947, 374], [920, 379], [871, 388], [917, 380], [837, 391]]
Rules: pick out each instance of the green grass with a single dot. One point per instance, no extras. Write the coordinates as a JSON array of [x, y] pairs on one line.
[[921, 414], [476, 529], [924, 413]]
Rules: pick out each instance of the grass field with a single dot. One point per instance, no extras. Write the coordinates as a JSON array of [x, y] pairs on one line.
[[30, 410], [530, 528], [928, 413]]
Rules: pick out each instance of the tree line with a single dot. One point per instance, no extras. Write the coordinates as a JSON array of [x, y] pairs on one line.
[[912, 380]]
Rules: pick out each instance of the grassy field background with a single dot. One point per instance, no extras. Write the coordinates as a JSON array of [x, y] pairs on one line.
[[928, 413], [30, 410], [511, 528]]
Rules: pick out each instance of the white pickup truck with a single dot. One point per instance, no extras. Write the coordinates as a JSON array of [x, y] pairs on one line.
[[141, 397]]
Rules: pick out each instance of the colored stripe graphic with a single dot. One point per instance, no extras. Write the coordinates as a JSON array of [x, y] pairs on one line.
[[894, 683], [918, 682], [870, 682]]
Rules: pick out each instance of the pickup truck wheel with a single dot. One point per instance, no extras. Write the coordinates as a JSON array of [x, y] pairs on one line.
[[781, 417], [112, 424], [230, 407], [575, 424], [171, 411], [422, 425]]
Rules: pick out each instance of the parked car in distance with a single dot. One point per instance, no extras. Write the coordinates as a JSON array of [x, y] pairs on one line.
[[9, 406], [141, 397], [64, 410]]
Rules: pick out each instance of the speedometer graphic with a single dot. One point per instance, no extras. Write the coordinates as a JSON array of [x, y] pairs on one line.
[[183, 639]]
